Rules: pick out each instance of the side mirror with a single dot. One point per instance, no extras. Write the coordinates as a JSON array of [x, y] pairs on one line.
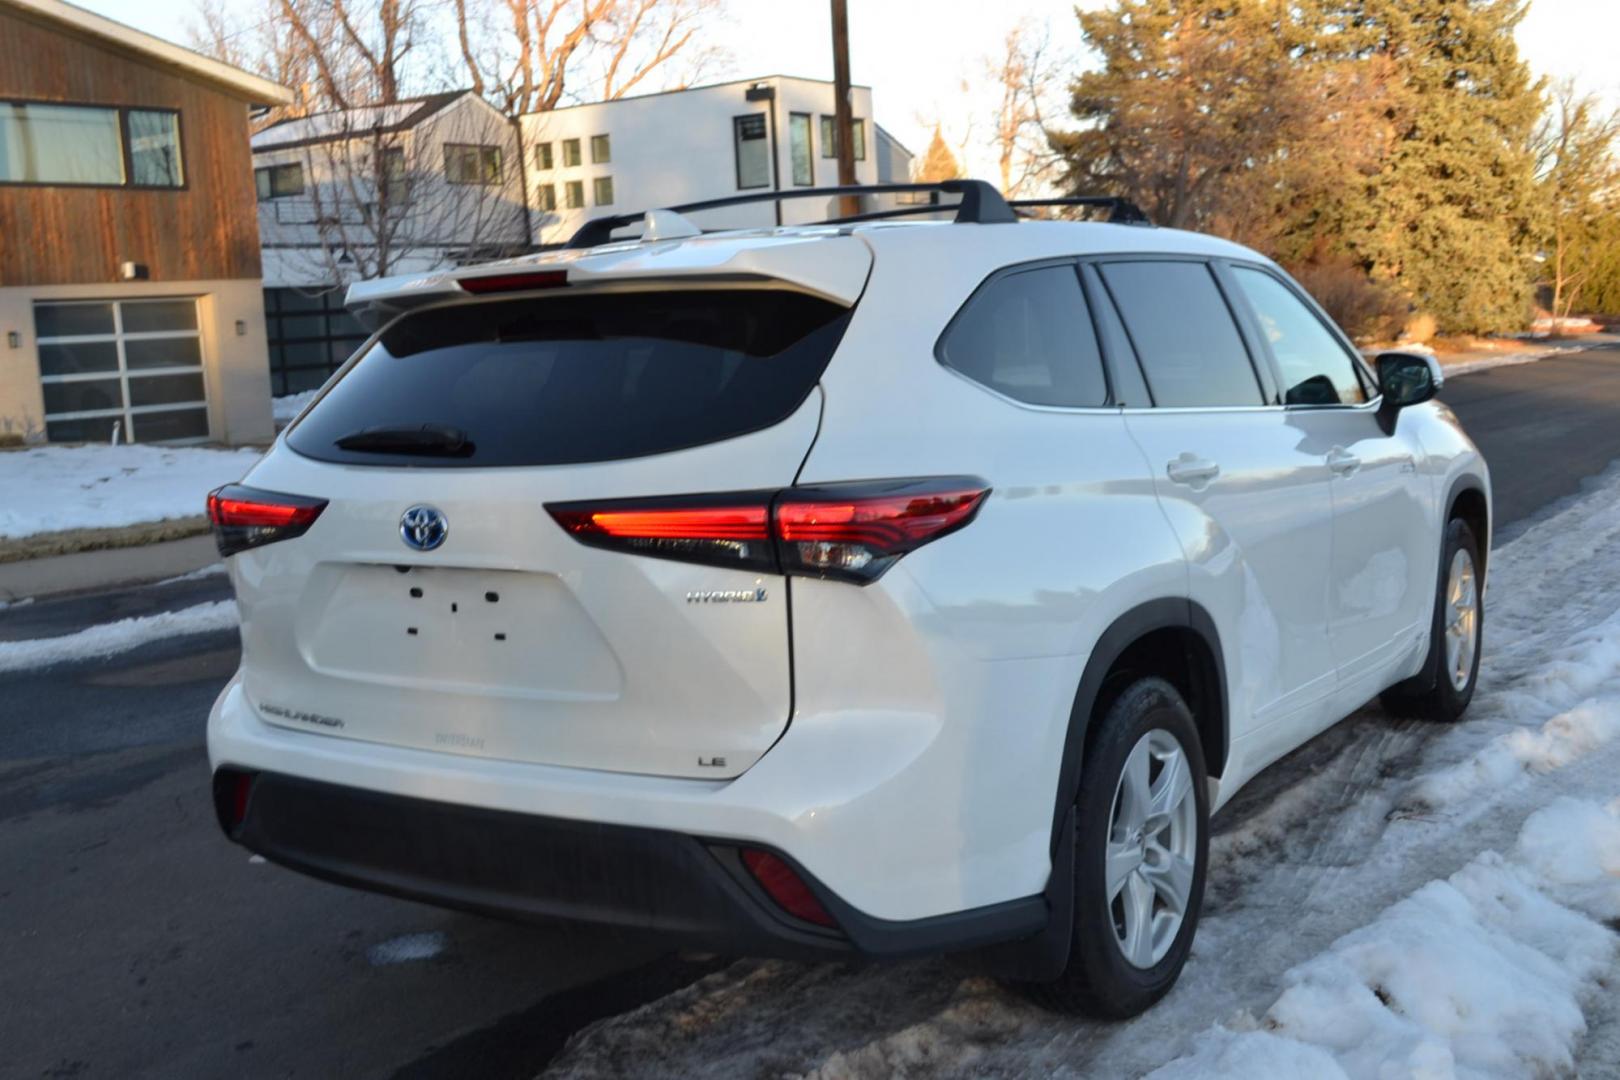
[[1405, 378]]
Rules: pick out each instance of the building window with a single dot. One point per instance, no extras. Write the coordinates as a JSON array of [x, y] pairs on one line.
[[604, 191], [542, 156], [465, 164], [570, 152], [601, 150], [804, 173], [102, 147], [753, 150], [310, 336], [547, 194], [576, 194], [829, 137], [279, 181], [395, 184], [133, 364]]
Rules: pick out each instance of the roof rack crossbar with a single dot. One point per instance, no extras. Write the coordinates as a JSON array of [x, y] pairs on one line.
[[980, 204], [1121, 210]]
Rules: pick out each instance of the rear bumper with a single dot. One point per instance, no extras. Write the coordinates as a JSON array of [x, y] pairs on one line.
[[680, 888]]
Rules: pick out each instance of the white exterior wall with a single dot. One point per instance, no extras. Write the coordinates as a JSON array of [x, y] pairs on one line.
[[677, 147], [446, 218]]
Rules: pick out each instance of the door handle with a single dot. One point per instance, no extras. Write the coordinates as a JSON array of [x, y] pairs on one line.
[[1192, 470], [1342, 462]]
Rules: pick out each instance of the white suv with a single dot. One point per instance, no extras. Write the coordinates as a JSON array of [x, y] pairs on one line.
[[878, 587]]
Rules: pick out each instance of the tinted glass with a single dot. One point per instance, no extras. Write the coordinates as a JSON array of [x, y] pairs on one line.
[[604, 190], [181, 424], [1183, 334], [162, 352], [166, 389], [154, 148], [78, 357], [1028, 335], [86, 396], [85, 429], [72, 320], [1316, 370], [159, 315], [586, 378], [601, 150]]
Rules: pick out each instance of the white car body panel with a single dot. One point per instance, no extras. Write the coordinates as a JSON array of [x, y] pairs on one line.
[[917, 772]]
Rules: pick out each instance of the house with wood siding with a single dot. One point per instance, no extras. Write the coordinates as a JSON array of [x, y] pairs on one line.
[[130, 283]]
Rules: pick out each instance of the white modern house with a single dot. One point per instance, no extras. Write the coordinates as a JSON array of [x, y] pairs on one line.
[[370, 192], [444, 180], [762, 134]]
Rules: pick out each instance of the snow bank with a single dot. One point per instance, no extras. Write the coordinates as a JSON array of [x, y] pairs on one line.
[[110, 638], [50, 488], [1485, 363], [1560, 741], [1481, 974], [283, 409]]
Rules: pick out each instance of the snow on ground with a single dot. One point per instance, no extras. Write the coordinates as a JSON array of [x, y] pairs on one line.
[[1398, 898], [116, 637], [1485, 363], [50, 488], [283, 409]]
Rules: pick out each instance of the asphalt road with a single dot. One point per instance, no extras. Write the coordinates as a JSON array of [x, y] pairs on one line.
[[134, 941]]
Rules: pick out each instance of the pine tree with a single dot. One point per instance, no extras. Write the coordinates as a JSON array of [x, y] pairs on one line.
[[1453, 215], [938, 162]]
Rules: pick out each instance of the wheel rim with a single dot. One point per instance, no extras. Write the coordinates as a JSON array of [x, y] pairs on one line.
[[1152, 848], [1462, 619]]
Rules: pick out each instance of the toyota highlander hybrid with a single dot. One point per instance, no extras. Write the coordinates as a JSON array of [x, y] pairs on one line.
[[872, 588]]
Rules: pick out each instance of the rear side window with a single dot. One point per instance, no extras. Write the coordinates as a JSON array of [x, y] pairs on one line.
[[1028, 335], [1183, 332], [1316, 368], [575, 378]]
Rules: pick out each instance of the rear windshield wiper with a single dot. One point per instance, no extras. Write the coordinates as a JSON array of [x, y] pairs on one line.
[[434, 440]]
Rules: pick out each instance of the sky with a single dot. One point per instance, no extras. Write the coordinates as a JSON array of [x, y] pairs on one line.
[[915, 53]]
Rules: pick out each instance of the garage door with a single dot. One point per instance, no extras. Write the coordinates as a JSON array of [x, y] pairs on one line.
[[133, 364]]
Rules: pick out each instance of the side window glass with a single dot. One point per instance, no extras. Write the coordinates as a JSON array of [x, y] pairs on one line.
[[1183, 333], [1028, 335], [1316, 370], [1124, 373]]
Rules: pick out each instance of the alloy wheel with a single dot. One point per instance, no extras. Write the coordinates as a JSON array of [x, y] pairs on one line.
[[1152, 847]]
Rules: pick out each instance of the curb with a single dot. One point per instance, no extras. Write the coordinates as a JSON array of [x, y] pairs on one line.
[[105, 567]]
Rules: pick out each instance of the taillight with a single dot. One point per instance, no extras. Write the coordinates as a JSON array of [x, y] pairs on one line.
[[785, 886], [722, 530], [518, 282], [849, 531], [245, 517]]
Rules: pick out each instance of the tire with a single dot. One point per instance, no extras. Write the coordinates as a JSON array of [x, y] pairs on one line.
[[1099, 979], [1438, 691]]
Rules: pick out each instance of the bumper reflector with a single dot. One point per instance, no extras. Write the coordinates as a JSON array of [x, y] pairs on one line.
[[786, 887]]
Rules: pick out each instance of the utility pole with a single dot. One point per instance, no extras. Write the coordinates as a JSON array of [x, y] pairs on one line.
[[849, 205]]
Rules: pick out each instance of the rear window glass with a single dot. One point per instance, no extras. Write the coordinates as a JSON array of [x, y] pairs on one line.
[[1028, 335], [569, 379], [1183, 333]]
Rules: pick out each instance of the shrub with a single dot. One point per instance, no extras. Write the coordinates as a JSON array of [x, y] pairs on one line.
[[1368, 310]]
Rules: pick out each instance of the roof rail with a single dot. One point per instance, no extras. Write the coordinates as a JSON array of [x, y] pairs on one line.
[[980, 204], [1121, 210]]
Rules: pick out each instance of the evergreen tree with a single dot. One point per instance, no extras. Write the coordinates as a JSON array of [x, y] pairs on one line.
[[938, 162], [1453, 215]]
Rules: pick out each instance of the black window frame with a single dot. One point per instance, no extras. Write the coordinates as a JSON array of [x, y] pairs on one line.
[[1259, 362], [1110, 400], [1358, 363], [270, 171], [829, 146], [283, 347], [479, 149], [736, 148], [126, 154]]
